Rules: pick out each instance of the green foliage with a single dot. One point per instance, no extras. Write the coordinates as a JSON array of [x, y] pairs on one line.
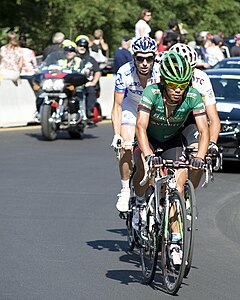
[[41, 18]]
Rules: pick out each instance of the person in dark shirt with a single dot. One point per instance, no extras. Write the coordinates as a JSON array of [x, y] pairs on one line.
[[57, 40], [122, 55], [235, 51], [90, 64]]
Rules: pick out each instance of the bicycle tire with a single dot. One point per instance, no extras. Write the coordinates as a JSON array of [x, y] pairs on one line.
[[173, 274], [130, 230], [149, 254], [189, 194], [131, 235]]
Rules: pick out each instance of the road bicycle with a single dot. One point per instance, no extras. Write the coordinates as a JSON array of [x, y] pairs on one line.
[[165, 207], [156, 236]]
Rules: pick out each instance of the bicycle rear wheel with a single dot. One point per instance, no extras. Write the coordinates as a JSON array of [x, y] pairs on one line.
[[173, 273], [191, 217], [149, 252], [131, 234]]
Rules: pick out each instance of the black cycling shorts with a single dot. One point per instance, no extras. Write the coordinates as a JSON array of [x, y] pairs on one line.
[[191, 134], [172, 149]]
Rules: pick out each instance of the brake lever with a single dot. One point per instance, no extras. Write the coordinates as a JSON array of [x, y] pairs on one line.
[[118, 149]]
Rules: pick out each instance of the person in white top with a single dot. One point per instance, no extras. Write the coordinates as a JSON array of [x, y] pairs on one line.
[[131, 79], [141, 27], [214, 53], [202, 83]]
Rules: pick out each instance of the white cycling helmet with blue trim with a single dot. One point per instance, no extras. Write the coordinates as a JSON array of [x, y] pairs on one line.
[[186, 51], [144, 45]]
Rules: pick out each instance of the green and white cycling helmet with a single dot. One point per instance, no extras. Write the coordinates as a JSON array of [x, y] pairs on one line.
[[186, 51], [174, 67]]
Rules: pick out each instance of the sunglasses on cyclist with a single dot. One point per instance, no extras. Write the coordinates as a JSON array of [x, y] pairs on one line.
[[174, 85], [149, 59]]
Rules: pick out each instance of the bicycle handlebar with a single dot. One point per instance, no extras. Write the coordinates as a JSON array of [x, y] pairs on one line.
[[119, 147], [166, 163], [207, 167]]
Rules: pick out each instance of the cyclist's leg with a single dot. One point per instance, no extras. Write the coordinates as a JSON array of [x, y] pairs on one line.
[[125, 163], [191, 136], [139, 174], [173, 150]]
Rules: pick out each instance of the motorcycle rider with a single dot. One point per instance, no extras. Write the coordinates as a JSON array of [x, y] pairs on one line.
[[71, 61], [131, 79], [89, 64]]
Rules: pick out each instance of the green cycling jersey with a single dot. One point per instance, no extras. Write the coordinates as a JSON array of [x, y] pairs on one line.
[[160, 127]]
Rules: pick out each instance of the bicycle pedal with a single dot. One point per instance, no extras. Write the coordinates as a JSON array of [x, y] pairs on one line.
[[122, 216]]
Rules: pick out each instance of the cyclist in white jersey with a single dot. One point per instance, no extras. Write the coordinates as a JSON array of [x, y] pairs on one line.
[[131, 79], [202, 83]]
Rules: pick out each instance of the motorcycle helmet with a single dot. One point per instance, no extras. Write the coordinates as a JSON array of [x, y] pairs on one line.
[[66, 43], [174, 67], [186, 51], [144, 45], [71, 46], [82, 40]]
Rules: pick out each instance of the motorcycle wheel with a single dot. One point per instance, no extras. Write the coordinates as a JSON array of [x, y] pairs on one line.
[[49, 129]]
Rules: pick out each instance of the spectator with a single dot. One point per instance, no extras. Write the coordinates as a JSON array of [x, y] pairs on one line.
[[173, 26], [11, 58], [159, 40], [57, 40], [99, 49], [235, 51], [214, 54], [29, 59], [200, 40], [170, 39], [54, 57], [218, 40], [141, 27], [122, 55]]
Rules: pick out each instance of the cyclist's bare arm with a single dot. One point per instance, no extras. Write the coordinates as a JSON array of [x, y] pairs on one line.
[[215, 125], [202, 125], [141, 133], [117, 112]]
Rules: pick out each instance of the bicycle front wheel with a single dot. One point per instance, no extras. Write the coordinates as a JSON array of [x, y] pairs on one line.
[[173, 271], [191, 217]]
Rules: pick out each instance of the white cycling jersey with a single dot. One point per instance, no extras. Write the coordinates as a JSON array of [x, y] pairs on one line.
[[202, 84], [128, 83]]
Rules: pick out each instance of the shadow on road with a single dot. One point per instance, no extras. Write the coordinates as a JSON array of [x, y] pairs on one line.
[[231, 167], [61, 136]]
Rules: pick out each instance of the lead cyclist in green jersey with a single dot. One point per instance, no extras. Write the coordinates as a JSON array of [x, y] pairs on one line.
[[162, 112]]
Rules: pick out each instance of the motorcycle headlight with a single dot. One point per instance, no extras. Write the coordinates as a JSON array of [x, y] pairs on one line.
[[58, 85], [47, 85]]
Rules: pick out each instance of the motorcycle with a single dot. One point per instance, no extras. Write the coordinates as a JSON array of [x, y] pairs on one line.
[[63, 102]]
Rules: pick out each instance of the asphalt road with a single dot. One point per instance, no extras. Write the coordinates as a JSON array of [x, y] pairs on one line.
[[61, 237]]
